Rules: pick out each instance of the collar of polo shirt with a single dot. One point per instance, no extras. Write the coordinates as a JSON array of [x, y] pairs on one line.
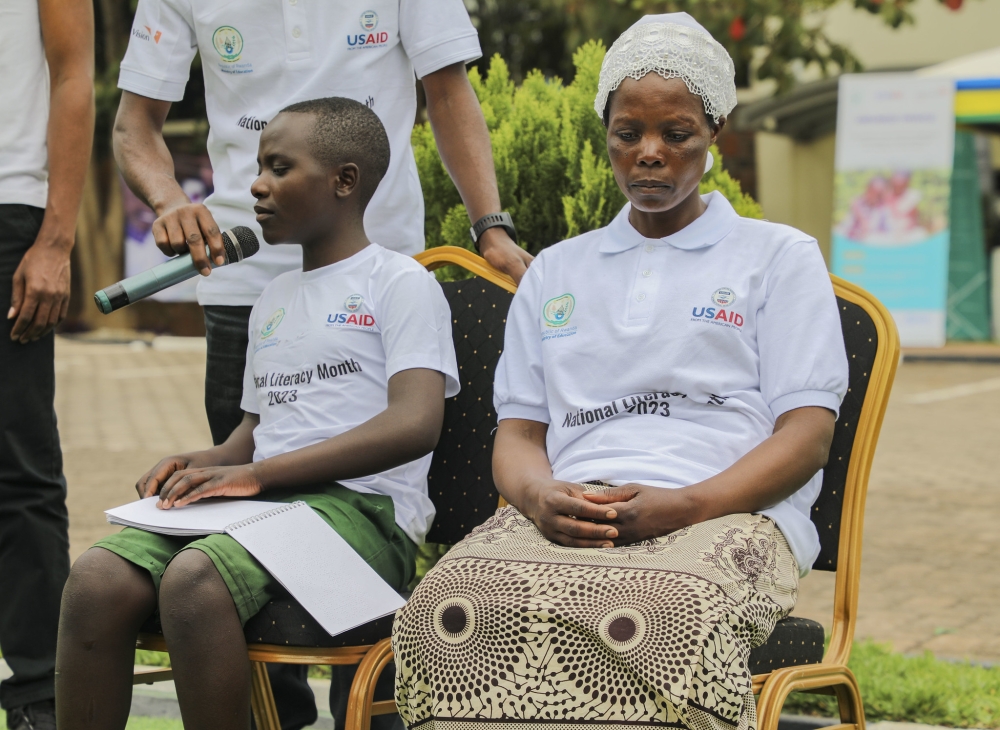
[[708, 229]]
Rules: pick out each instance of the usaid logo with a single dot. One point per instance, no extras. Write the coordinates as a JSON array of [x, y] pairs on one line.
[[724, 296], [719, 314]]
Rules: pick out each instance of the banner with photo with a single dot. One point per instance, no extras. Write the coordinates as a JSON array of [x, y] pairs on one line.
[[895, 147], [194, 173]]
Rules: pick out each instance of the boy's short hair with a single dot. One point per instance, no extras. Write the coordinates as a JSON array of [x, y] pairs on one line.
[[345, 130]]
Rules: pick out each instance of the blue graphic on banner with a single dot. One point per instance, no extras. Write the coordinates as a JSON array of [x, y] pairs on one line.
[[910, 276]]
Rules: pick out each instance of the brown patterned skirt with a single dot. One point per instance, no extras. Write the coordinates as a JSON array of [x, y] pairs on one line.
[[514, 631]]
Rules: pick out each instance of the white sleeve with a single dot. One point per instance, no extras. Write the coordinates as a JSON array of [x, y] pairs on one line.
[[249, 402], [160, 50], [519, 385], [799, 337], [415, 321], [437, 33]]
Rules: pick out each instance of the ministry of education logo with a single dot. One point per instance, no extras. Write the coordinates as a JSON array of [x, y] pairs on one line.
[[724, 296], [369, 20], [558, 310], [228, 43], [272, 323], [353, 302]]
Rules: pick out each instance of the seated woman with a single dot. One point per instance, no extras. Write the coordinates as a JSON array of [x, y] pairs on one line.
[[667, 398]]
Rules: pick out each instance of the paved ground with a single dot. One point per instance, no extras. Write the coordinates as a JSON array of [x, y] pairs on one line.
[[929, 575]]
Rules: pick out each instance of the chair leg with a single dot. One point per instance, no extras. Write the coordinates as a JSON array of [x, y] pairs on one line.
[[359, 702], [783, 682], [265, 712]]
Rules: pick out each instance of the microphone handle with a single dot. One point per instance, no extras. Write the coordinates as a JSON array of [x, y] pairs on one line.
[[148, 282]]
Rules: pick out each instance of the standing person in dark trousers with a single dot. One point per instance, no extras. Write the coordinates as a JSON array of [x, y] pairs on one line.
[[46, 133], [259, 56]]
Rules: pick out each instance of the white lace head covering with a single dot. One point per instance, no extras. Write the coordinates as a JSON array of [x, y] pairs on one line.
[[676, 46]]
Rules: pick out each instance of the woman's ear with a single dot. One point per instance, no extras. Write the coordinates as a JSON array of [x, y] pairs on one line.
[[346, 180], [717, 128]]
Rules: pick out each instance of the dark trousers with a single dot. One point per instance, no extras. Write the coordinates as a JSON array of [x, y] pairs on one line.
[[34, 525], [227, 336]]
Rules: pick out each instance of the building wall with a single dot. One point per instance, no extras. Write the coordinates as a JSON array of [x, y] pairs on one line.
[[938, 34], [795, 183]]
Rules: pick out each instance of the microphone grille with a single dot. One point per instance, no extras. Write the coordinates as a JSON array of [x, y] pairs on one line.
[[244, 245]]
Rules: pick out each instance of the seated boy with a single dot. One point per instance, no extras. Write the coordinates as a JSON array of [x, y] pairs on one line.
[[348, 366]]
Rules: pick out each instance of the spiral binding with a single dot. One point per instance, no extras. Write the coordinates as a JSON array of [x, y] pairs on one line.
[[265, 515]]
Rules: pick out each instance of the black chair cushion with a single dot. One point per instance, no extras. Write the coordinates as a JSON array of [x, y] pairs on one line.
[[793, 642], [285, 623], [460, 481], [861, 344]]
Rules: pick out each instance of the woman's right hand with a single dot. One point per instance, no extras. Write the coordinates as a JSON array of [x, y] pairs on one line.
[[152, 481], [561, 513]]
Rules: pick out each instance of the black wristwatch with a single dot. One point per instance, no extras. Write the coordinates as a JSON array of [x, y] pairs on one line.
[[493, 220]]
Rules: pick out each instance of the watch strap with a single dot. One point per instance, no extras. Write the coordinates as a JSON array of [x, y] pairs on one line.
[[492, 220]]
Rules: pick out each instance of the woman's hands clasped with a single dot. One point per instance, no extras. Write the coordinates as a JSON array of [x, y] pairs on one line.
[[179, 480], [561, 513], [567, 514]]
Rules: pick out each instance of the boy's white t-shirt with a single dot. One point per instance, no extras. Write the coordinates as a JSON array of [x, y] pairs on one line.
[[323, 345], [663, 361]]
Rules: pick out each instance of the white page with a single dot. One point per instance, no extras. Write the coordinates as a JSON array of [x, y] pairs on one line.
[[317, 566], [204, 517]]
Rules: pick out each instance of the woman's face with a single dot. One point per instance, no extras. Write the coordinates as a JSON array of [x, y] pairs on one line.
[[658, 139]]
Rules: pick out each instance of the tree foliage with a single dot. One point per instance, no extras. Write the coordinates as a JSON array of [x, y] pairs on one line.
[[551, 159], [768, 39]]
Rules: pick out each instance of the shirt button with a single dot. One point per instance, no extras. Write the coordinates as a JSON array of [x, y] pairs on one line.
[[647, 272], [295, 31], [650, 248], [640, 297]]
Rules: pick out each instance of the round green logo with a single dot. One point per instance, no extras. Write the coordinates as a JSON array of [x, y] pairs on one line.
[[272, 324], [557, 311], [228, 43]]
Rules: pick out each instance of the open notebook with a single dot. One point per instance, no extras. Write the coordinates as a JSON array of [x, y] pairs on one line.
[[307, 556]]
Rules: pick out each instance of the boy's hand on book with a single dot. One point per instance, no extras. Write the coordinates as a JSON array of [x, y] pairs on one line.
[[149, 483], [189, 485]]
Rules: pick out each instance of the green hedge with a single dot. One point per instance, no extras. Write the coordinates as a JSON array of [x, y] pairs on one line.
[[551, 159]]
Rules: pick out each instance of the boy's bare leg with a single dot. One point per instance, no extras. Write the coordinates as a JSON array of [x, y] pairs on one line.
[[105, 602], [207, 648]]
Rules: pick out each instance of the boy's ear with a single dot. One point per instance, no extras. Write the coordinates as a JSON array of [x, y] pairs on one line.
[[348, 176]]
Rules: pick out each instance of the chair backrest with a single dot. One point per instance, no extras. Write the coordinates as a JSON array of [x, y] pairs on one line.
[[460, 481], [872, 347]]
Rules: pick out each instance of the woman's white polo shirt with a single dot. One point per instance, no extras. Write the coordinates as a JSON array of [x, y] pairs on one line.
[[663, 361]]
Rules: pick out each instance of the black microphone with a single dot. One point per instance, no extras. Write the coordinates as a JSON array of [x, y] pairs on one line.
[[240, 243]]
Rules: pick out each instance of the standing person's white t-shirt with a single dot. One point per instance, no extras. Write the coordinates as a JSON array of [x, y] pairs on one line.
[[24, 106], [323, 345], [259, 56], [663, 361]]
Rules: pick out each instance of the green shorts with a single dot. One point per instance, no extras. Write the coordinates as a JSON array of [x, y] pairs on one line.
[[366, 521]]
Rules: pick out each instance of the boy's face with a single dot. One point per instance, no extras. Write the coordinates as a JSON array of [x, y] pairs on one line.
[[294, 190]]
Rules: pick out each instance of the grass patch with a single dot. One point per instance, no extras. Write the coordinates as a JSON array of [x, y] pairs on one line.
[[914, 689], [152, 658]]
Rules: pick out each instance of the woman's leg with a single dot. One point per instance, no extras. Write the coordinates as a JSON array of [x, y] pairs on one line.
[[207, 648], [105, 602]]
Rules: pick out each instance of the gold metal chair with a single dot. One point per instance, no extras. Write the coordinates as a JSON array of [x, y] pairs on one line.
[[793, 658], [873, 353]]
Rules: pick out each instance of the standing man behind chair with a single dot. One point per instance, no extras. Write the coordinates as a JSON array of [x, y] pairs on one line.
[[259, 56], [46, 133]]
